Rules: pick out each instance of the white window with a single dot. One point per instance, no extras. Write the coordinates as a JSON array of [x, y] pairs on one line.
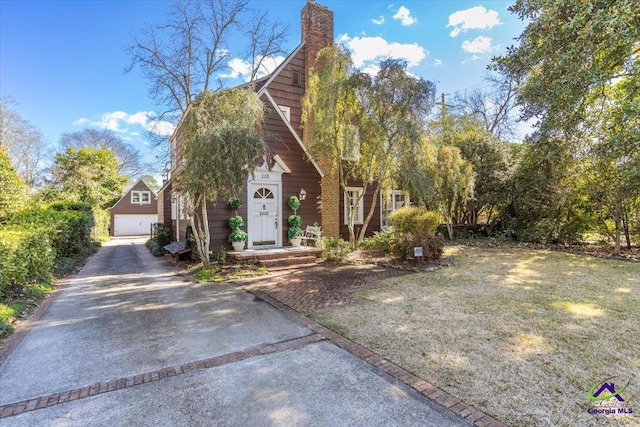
[[354, 201], [286, 111], [140, 197], [392, 201], [351, 148], [174, 207]]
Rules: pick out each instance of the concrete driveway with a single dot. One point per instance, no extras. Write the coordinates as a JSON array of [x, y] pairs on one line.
[[130, 342]]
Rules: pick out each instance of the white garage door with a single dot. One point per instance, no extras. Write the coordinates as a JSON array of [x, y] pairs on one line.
[[133, 225]]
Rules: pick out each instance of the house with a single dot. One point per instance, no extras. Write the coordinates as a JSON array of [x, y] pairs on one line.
[[134, 213], [292, 172]]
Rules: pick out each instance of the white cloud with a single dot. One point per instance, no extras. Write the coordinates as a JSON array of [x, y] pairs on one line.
[[437, 63], [473, 58], [239, 68], [480, 44], [404, 16], [378, 21], [476, 18], [366, 50], [81, 121], [128, 125]]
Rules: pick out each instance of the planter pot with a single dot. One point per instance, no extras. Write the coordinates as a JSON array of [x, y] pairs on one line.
[[237, 246], [296, 242]]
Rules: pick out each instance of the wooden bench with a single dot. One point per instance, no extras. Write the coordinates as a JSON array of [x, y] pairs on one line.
[[176, 249], [312, 232]]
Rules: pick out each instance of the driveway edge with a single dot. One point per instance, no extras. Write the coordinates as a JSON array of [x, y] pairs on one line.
[[25, 327], [466, 412]]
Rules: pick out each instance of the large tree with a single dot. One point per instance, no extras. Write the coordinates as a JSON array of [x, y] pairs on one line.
[[574, 59], [89, 175], [223, 143], [24, 144], [493, 106], [184, 56], [569, 53], [129, 161], [367, 128]]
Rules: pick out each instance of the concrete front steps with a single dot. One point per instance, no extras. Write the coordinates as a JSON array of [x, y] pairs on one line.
[[279, 258]]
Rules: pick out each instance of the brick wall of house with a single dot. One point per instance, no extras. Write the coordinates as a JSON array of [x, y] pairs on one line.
[[317, 32]]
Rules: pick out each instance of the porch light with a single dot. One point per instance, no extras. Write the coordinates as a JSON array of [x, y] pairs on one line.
[[302, 195]]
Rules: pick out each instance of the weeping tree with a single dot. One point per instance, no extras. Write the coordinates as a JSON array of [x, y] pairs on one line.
[[365, 127], [222, 139]]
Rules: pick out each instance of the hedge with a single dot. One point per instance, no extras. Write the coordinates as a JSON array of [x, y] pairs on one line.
[[27, 257], [69, 232]]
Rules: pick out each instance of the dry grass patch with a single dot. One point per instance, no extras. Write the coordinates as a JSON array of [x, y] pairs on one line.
[[521, 334]]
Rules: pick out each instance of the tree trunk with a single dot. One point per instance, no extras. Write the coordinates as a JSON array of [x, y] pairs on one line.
[[372, 209], [200, 228], [617, 217], [625, 224]]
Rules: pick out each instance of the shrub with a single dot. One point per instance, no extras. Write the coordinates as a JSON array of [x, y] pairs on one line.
[[162, 235], [69, 232], [432, 246], [414, 220], [102, 221], [71, 205], [26, 258], [336, 249], [381, 240], [155, 247]]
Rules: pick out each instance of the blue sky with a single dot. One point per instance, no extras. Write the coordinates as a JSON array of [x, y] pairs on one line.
[[63, 61]]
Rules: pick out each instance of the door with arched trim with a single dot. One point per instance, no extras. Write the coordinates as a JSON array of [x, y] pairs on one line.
[[264, 215]]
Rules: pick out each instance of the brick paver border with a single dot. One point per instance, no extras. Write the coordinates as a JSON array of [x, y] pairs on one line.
[[12, 409], [431, 392]]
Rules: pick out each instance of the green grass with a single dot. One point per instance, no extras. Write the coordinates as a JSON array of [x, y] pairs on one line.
[[24, 302], [223, 273], [521, 334]]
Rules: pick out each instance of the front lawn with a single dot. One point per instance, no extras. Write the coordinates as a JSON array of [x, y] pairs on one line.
[[521, 334]]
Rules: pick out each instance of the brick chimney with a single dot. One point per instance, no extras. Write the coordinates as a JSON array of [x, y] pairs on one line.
[[317, 33]]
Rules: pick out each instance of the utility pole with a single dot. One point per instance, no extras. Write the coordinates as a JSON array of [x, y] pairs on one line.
[[444, 105], [443, 111]]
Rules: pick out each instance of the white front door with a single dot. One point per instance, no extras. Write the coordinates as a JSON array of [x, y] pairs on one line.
[[263, 200]]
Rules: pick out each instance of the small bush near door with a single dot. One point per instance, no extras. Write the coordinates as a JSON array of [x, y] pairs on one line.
[[336, 249]]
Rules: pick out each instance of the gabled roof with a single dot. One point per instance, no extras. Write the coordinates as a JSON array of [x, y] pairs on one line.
[[281, 67], [140, 181], [264, 92]]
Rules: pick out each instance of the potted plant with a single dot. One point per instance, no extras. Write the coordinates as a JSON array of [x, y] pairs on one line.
[[237, 237], [295, 232], [295, 221]]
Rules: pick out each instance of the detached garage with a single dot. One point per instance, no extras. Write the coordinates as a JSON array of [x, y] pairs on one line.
[[134, 213]]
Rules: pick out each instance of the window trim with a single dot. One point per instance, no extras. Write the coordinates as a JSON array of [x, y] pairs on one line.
[[392, 193], [141, 198], [286, 111], [360, 206], [351, 151]]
